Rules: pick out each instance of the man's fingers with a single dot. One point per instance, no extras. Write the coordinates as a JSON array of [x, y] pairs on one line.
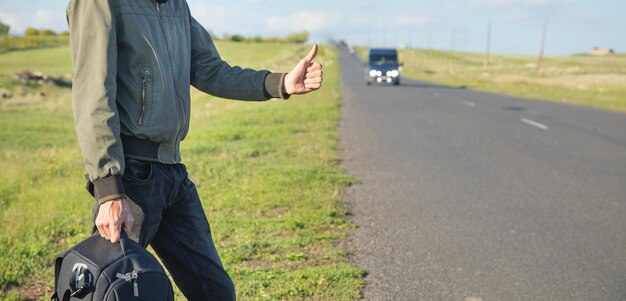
[[103, 229], [115, 230], [313, 80], [306, 76], [318, 73], [111, 217], [309, 57], [314, 67], [311, 87]]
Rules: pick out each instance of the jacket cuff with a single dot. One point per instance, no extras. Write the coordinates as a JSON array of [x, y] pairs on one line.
[[108, 189], [275, 86]]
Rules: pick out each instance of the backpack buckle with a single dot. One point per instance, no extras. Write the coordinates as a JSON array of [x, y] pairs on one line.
[[81, 281]]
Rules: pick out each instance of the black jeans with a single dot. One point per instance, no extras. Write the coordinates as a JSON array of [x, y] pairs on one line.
[[169, 217]]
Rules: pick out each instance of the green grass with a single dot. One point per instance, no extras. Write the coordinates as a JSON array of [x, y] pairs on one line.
[[593, 81], [266, 173], [16, 43]]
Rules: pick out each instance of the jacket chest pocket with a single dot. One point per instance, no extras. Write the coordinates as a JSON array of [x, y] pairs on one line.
[[145, 94]]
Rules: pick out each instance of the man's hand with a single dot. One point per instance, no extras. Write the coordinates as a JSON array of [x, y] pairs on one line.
[[306, 76], [111, 217]]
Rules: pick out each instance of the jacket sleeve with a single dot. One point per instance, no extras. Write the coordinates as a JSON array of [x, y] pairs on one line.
[[94, 58], [212, 75]]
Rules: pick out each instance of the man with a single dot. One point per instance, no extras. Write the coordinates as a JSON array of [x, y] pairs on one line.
[[134, 62]]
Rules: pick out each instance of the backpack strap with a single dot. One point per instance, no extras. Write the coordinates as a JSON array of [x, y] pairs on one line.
[[57, 270], [125, 243]]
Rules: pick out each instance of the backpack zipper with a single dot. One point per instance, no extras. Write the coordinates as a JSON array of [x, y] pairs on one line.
[[131, 277], [128, 277]]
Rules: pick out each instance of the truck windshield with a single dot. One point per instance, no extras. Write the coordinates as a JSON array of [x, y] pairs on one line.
[[381, 59]]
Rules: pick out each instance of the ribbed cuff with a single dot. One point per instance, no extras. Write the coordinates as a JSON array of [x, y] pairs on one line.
[[275, 85], [108, 189]]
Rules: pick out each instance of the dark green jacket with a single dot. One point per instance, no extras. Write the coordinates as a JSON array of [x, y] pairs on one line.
[[134, 62]]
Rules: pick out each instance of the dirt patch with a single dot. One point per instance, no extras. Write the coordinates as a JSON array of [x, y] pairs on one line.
[[35, 292], [22, 101]]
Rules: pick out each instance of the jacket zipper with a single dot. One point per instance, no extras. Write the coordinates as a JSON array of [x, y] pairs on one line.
[[182, 109], [143, 98]]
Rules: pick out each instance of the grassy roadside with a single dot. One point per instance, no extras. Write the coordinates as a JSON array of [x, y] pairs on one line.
[[592, 81], [16, 43], [266, 172]]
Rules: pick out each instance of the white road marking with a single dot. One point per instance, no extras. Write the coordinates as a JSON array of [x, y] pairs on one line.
[[535, 124], [469, 103]]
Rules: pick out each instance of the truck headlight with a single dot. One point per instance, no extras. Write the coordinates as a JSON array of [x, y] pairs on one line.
[[373, 73], [393, 73]]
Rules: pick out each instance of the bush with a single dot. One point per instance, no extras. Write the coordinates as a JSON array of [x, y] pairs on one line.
[[274, 40], [298, 37], [237, 38], [47, 32], [256, 39], [295, 38], [4, 29], [31, 31]]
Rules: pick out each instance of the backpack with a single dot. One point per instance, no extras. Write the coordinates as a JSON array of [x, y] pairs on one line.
[[96, 269]]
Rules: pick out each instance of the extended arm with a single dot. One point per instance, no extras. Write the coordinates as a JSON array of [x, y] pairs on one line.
[[209, 73], [212, 75]]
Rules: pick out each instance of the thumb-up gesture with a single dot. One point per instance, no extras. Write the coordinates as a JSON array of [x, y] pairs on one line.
[[306, 76]]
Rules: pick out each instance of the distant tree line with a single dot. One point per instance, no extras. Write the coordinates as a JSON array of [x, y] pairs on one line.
[[32, 38], [294, 38], [5, 29], [44, 32]]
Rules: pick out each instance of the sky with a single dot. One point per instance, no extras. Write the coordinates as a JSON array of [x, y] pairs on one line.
[[573, 26]]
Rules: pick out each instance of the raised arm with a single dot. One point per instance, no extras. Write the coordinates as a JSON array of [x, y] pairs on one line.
[[212, 75]]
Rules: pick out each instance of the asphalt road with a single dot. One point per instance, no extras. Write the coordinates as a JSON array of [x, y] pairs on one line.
[[476, 196]]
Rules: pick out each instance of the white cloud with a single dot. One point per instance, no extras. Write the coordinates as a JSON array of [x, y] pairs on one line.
[[303, 20], [210, 15], [219, 19], [45, 19], [319, 21]]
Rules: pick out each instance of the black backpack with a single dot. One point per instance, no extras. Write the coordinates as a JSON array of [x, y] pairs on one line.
[[96, 269]]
